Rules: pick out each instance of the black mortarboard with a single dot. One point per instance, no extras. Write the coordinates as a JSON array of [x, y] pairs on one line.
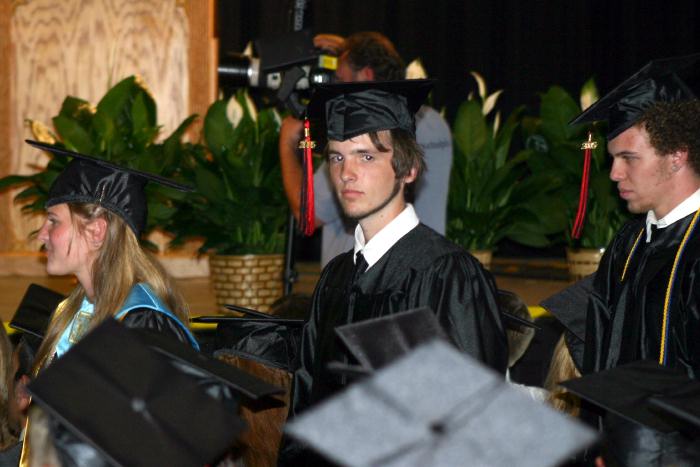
[[34, 311], [438, 407], [657, 81], [87, 179], [271, 341], [637, 390], [132, 404], [570, 306], [352, 109], [376, 342]]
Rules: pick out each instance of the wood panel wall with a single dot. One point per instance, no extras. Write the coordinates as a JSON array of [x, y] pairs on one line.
[[51, 49]]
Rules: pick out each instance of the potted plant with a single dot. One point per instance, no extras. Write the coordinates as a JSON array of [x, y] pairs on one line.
[[491, 197], [122, 128], [555, 149], [238, 208]]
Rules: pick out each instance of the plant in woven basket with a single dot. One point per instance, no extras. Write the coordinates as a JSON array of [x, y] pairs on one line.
[[491, 197], [238, 206], [122, 128], [554, 148]]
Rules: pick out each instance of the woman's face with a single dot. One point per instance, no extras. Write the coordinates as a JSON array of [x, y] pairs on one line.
[[67, 249]]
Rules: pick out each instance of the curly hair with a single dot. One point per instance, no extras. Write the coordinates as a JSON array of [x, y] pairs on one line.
[[675, 126], [374, 50]]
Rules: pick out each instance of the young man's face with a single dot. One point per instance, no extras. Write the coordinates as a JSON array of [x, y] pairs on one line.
[[644, 178], [364, 180]]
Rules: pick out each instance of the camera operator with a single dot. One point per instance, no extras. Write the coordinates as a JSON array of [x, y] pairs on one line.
[[368, 56]]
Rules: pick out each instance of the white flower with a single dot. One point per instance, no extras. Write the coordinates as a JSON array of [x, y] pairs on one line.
[[496, 123], [481, 83], [234, 111], [589, 94], [490, 102], [276, 115], [248, 52], [415, 70]]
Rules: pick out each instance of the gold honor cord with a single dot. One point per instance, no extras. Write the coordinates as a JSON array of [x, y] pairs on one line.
[[629, 257], [669, 288]]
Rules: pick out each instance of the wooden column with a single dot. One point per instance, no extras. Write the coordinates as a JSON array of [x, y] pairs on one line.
[[51, 49]]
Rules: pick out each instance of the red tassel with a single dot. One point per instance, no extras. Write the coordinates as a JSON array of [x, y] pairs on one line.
[[587, 147], [307, 218]]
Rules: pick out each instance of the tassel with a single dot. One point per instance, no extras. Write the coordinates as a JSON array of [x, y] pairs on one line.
[[307, 217], [587, 147]]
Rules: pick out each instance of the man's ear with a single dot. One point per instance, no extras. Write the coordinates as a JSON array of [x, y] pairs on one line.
[[411, 176], [365, 74], [95, 232]]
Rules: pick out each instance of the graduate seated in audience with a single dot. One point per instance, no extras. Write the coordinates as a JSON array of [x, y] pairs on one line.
[[15, 369], [397, 262], [96, 212], [519, 338], [645, 303]]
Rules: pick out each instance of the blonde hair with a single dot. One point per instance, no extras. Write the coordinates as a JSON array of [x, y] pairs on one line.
[[7, 437], [121, 263], [561, 369]]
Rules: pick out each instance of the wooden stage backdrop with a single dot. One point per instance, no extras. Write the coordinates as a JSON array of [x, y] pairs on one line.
[[50, 49]]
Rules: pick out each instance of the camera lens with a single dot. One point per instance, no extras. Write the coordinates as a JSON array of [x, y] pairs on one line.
[[239, 70]]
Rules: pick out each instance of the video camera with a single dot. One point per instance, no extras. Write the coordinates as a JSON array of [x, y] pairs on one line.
[[288, 63]]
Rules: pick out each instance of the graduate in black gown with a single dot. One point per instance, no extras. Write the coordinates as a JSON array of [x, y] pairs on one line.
[[397, 262], [646, 299]]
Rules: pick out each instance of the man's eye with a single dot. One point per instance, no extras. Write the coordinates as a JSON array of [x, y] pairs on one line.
[[335, 158], [367, 157]]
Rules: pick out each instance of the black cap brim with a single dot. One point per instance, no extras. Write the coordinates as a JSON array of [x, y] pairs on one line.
[[658, 81]]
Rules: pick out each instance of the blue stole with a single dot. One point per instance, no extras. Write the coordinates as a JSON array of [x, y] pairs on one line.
[[141, 296]]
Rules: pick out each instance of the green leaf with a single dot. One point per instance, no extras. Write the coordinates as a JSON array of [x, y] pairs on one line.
[[557, 109], [74, 136], [218, 132], [470, 131]]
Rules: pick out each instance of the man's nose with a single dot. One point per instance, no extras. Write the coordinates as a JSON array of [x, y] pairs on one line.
[[616, 171]]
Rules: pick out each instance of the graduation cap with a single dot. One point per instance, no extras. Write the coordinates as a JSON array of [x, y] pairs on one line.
[[87, 179], [34, 311], [658, 397], [133, 405], [376, 342], [353, 109], [570, 306], [657, 81], [258, 336], [437, 406]]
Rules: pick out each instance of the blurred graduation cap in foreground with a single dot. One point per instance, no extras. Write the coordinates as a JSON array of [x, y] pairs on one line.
[[139, 409], [436, 406], [88, 179], [655, 396], [663, 80], [375, 343]]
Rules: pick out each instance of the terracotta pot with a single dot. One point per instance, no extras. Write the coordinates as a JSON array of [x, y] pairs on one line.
[[484, 257], [252, 281], [583, 261]]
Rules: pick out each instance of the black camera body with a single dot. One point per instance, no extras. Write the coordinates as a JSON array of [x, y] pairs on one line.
[[288, 63]]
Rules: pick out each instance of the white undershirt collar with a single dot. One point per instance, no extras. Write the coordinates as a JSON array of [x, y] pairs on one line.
[[687, 207], [373, 250]]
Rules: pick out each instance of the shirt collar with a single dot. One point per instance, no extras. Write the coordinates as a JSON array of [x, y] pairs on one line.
[[373, 250], [687, 207]]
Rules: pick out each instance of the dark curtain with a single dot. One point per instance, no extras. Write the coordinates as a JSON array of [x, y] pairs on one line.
[[520, 46]]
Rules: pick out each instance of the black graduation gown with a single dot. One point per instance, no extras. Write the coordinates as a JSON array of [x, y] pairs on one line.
[[624, 324], [422, 269], [624, 319]]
